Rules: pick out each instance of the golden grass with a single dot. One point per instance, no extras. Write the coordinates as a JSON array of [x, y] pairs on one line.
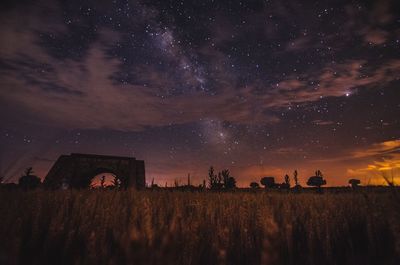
[[164, 227]]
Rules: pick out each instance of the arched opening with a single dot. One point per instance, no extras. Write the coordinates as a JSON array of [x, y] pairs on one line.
[[104, 179]]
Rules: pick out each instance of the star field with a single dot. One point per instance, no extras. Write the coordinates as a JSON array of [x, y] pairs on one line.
[[259, 87]]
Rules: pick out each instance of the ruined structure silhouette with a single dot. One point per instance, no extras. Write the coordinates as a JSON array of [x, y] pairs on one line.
[[78, 170]]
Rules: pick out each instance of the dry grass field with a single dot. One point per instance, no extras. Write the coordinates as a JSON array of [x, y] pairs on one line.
[[171, 227]]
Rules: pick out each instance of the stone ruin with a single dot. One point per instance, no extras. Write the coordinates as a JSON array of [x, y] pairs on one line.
[[78, 170]]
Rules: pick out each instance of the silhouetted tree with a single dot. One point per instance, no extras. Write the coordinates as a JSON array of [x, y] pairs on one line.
[[28, 171], [229, 181], [268, 182], [254, 185], [286, 184], [296, 181], [29, 181], [219, 184], [297, 186], [354, 183], [214, 181], [211, 177], [153, 184], [176, 183], [317, 180], [287, 180], [225, 176]]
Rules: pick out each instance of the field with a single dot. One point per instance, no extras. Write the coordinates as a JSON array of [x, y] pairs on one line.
[[172, 227]]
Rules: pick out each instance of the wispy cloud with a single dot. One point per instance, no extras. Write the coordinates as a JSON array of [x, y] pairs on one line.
[[379, 149], [381, 159], [85, 94]]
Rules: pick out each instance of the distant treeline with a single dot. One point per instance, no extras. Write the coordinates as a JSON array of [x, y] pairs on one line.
[[215, 181]]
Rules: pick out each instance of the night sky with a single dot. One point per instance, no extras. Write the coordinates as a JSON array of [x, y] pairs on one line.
[[259, 87]]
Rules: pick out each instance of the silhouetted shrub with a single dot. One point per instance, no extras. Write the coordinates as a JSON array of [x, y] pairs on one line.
[[283, 186], [317, 180], [268, 182], [29, 181], [297, 187], [354, 183], [254, 185]]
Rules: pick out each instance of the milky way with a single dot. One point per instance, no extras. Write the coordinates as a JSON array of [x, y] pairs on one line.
[[259, 87]]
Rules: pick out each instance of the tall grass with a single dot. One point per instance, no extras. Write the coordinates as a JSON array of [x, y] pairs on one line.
[[162, 227]]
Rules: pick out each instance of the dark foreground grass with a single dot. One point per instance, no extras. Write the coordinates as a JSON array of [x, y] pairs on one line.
[[128, 227]]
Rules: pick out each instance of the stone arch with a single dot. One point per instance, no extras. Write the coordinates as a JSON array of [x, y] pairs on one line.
[[79, 169]]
